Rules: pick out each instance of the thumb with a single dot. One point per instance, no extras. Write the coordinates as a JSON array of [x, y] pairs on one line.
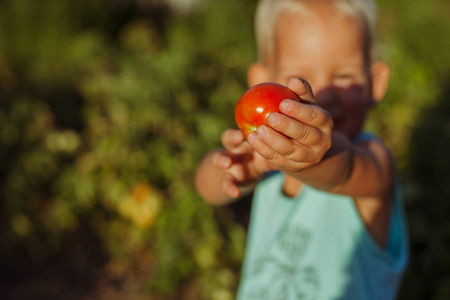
[[302, 88]]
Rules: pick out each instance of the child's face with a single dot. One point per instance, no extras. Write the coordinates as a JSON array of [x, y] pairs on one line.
[[327, 50]]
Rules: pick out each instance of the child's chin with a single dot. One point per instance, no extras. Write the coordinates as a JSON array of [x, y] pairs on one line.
[[348, 135], [338, 127]]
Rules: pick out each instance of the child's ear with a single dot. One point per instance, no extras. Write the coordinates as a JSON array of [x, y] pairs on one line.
[[257, 73], [380, 80]]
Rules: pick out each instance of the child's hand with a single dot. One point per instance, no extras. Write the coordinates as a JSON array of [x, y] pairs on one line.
[[298, 137], [242, 166]]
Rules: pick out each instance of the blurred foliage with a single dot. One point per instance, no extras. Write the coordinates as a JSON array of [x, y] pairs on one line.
[[106, 107]]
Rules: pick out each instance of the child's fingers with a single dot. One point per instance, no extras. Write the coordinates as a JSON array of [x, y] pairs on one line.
[[231, 138], [229, 187], [302, 88], [281, 152], [312, 115], [294, 129], [221, 160], [275, 144]]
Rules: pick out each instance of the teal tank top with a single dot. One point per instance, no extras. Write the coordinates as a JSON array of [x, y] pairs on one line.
[[316, 247]]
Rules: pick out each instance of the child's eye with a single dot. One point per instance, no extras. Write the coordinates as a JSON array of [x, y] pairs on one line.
[[343, 80]]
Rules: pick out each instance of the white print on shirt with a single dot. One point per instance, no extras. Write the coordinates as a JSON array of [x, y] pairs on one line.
[[289, 278]]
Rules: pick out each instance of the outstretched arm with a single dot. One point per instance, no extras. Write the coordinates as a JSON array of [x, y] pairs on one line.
[[300, 141]]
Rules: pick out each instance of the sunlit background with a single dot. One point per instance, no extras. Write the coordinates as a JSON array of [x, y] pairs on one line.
[[107, 106]]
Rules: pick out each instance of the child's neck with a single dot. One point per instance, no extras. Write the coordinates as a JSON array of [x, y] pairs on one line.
[[291, 186]]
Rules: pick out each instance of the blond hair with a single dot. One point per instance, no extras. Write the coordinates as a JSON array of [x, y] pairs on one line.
[[268, 11]]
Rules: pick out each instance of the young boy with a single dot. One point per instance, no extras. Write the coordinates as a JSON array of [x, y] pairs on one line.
[[329, 224]]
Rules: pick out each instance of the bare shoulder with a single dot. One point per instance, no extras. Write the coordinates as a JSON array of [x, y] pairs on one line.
[[371, 170], [380, 152], [376, 168]]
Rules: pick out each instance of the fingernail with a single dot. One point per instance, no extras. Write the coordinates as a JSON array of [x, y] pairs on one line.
[[251, 137], [273, 119], [233, 192], [224, 162], [261, 132], [285, 105]]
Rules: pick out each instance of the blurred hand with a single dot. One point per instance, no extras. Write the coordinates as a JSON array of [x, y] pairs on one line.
[[241, 164]]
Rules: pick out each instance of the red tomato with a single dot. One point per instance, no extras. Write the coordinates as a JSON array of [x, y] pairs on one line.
[[257, 103]]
